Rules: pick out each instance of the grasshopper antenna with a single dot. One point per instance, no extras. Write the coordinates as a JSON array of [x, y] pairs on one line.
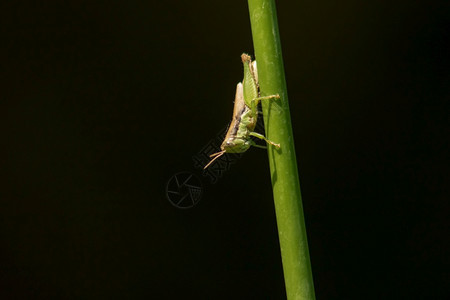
[[216, 156]]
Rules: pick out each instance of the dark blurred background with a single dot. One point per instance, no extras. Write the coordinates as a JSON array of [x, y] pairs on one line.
[[103, 102]]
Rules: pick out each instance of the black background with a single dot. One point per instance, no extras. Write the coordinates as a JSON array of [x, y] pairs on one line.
[[103, 101]]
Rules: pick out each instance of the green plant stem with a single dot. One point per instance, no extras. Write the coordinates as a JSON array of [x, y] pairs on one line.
[[283, 164]]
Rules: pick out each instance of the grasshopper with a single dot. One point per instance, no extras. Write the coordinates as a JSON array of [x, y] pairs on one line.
[[245, 114]]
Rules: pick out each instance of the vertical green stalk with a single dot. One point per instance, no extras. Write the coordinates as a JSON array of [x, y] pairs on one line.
[[283, 164]]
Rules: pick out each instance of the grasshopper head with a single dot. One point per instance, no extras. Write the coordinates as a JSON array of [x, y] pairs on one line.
[[235, 145]]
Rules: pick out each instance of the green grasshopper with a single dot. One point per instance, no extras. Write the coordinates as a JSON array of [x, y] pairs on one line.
[[245, 114]]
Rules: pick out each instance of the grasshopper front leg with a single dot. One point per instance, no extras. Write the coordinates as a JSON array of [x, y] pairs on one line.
[[260, 136]]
